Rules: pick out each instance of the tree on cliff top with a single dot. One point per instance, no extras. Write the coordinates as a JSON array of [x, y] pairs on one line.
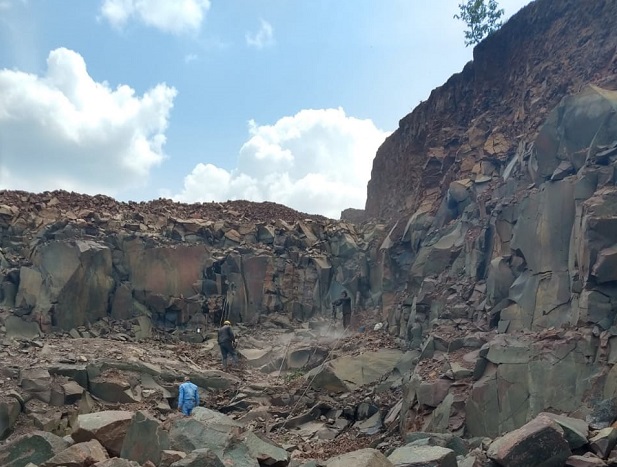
[[482, 17]]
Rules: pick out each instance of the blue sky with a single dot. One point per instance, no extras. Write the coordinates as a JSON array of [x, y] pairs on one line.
[[197, 100]]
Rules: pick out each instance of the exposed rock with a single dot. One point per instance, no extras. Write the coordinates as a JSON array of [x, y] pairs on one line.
[[79, 455], [145, 439], [362, 458], [346, 373], [420, 456], [199, 458], [604, 442], [36, 447], [108, 427], [265, 452], [168, 457], [539, 442], [9, 411]]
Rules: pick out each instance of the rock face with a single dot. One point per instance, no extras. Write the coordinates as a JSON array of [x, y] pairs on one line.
[[487, 251], [476, 120]]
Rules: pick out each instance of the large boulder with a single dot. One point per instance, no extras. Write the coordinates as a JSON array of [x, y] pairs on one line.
[[265, 451], [10, 408], [540, 442], [36, 448], [361, 458], [199, 458], [37, 382], [108, 427], [423, 456], [145, 439], [188, 434], [79, 455], [351, 372]]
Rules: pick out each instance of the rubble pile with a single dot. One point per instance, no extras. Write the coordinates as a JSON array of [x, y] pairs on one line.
[[484, 330]]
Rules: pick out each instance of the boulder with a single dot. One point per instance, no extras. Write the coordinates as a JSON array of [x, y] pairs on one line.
[[540, 442], [351, 372], [265, 451], [108, 427], [362, 458], [79, 455], [168, 457], [10, 409], [116, 389], [604, 442], [574, 429], [214, 379], [36, 448], [17, 328], [587, 460], [423, 456], [145, 439], [117, 462], [37, 382], [199, 458]]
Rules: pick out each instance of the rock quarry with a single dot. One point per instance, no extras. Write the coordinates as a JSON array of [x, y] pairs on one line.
[[483, 277]]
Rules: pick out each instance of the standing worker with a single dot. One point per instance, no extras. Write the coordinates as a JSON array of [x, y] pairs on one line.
[[345, 303], [188, 398], [227, 343]]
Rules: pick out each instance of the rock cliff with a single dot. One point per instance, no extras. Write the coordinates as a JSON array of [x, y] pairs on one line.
[[482, 275]]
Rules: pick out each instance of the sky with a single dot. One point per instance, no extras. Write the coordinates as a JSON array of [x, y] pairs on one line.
[[216, 100]]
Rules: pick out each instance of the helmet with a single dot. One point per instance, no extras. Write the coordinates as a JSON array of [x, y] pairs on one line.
[[227, 322]]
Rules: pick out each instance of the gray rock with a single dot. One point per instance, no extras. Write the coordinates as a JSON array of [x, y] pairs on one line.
[[117, 462], [361, 458], [79, 455], [348, 373], [36, 447], [199, 458], [423, 456], [575, 430], [265, 451], [145, 439], [168, 457], [108, 427], [18, 328], [587, 460], [604, 442], [539, 442], [9, 412]]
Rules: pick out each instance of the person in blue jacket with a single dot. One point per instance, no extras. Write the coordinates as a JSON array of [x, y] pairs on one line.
[[188, 398]]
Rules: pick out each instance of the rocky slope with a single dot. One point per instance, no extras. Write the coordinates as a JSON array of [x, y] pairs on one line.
[[485, 300], [476, 122]]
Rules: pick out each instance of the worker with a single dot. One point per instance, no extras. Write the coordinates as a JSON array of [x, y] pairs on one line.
[[227, 343], [188, 397], [345, 303]]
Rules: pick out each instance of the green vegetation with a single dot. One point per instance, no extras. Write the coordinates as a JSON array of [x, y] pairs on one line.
[[482, 18]]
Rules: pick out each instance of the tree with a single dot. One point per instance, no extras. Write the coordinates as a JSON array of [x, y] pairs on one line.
[[481, 16]]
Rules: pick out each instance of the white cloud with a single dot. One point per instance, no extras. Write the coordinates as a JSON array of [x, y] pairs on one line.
[[264, 37], [65, 130], [317, 161], [172, 16]]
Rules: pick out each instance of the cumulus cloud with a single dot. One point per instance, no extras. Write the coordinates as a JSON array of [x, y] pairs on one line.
[[171, 16], [264, 37], [317, 161], [65, 130]]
